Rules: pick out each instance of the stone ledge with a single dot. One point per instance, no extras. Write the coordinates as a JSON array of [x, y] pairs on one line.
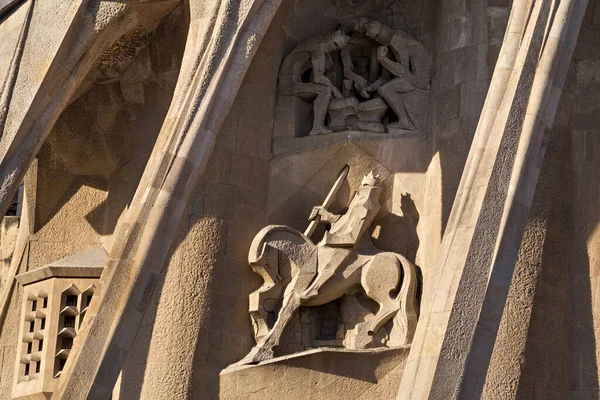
[[292, 145], [88, 264], [328, 373]]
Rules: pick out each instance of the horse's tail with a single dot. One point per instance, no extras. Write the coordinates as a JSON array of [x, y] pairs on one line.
[[406, 318]]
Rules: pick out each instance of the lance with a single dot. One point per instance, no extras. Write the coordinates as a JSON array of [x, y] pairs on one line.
[[328, 200]]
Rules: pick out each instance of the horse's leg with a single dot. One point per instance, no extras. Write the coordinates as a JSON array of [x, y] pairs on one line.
[[291, 302], [405, 321], [267, 266], [258, 313], [379, 279]]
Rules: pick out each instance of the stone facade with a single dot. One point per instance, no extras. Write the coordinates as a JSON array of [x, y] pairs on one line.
[[299, 199], [56, 299]]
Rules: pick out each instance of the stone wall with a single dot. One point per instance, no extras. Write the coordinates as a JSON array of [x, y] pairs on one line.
[[547, 347], [585, 242], [86, 173], [198, 319], [530, 358], [467, 39], [201, 304], [198, 322]]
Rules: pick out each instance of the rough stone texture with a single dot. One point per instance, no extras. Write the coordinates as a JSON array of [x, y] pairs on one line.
[[317, 374], [72, 212], [584, 335], [7, 6], [229, 207], [536, 315], [455, 337], [149, 231], [90, 109], [9, 227], [468, 36]]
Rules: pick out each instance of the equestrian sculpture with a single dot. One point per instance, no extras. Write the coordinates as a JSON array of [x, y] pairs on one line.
[[297, 272]]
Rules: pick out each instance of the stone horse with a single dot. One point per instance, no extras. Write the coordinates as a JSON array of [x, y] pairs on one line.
[[290, 264]]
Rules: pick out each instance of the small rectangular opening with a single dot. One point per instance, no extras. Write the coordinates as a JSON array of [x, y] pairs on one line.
[[26, 369], [31, 326], [71, 300], [43, 323], [37, 367], [29, 347], [88, 300], [45, 302], [61, 364], [69, 322], [33, 305], [66, 343], [40, 344]]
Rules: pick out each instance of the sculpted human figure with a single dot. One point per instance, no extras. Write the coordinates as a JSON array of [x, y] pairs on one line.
[[313, 54], [297, 272], [352, 77], [409, 68], [346, 231]]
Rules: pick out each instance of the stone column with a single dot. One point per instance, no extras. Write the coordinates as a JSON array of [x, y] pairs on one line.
[[222, 40], [46, 71], [457, 328], [468, 36]]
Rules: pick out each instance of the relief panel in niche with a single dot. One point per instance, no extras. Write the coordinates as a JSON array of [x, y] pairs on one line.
[[371, 81]]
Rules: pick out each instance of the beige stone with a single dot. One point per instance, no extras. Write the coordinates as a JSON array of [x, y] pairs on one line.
[[322, 273], [329, 373], [56, 300], [170, 133]]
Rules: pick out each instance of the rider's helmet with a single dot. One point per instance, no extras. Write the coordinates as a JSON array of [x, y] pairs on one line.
[[370, 180]]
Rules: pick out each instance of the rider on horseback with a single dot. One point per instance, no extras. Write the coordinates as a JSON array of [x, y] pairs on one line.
[[347, 231], [299, 273]]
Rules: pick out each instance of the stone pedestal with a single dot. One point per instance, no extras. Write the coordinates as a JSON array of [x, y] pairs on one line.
[[325, 373]]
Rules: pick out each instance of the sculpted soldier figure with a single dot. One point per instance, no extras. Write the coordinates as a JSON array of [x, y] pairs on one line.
[[352, 78], [297, 272], [313, 55], [346, 232], [380, 66], [410, 67]]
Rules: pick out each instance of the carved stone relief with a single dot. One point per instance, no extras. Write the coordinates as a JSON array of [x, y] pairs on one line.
[[344, 283], [372, 79]]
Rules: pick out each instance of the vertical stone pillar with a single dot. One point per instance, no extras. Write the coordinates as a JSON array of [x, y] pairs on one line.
[[457, 329], [531, 352], [222, 40], [468, 39]]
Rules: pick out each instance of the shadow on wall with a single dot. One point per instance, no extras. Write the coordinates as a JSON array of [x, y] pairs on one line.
[[211, 300], [397, 233], [107, 134], [584, 274], [583, 371]]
